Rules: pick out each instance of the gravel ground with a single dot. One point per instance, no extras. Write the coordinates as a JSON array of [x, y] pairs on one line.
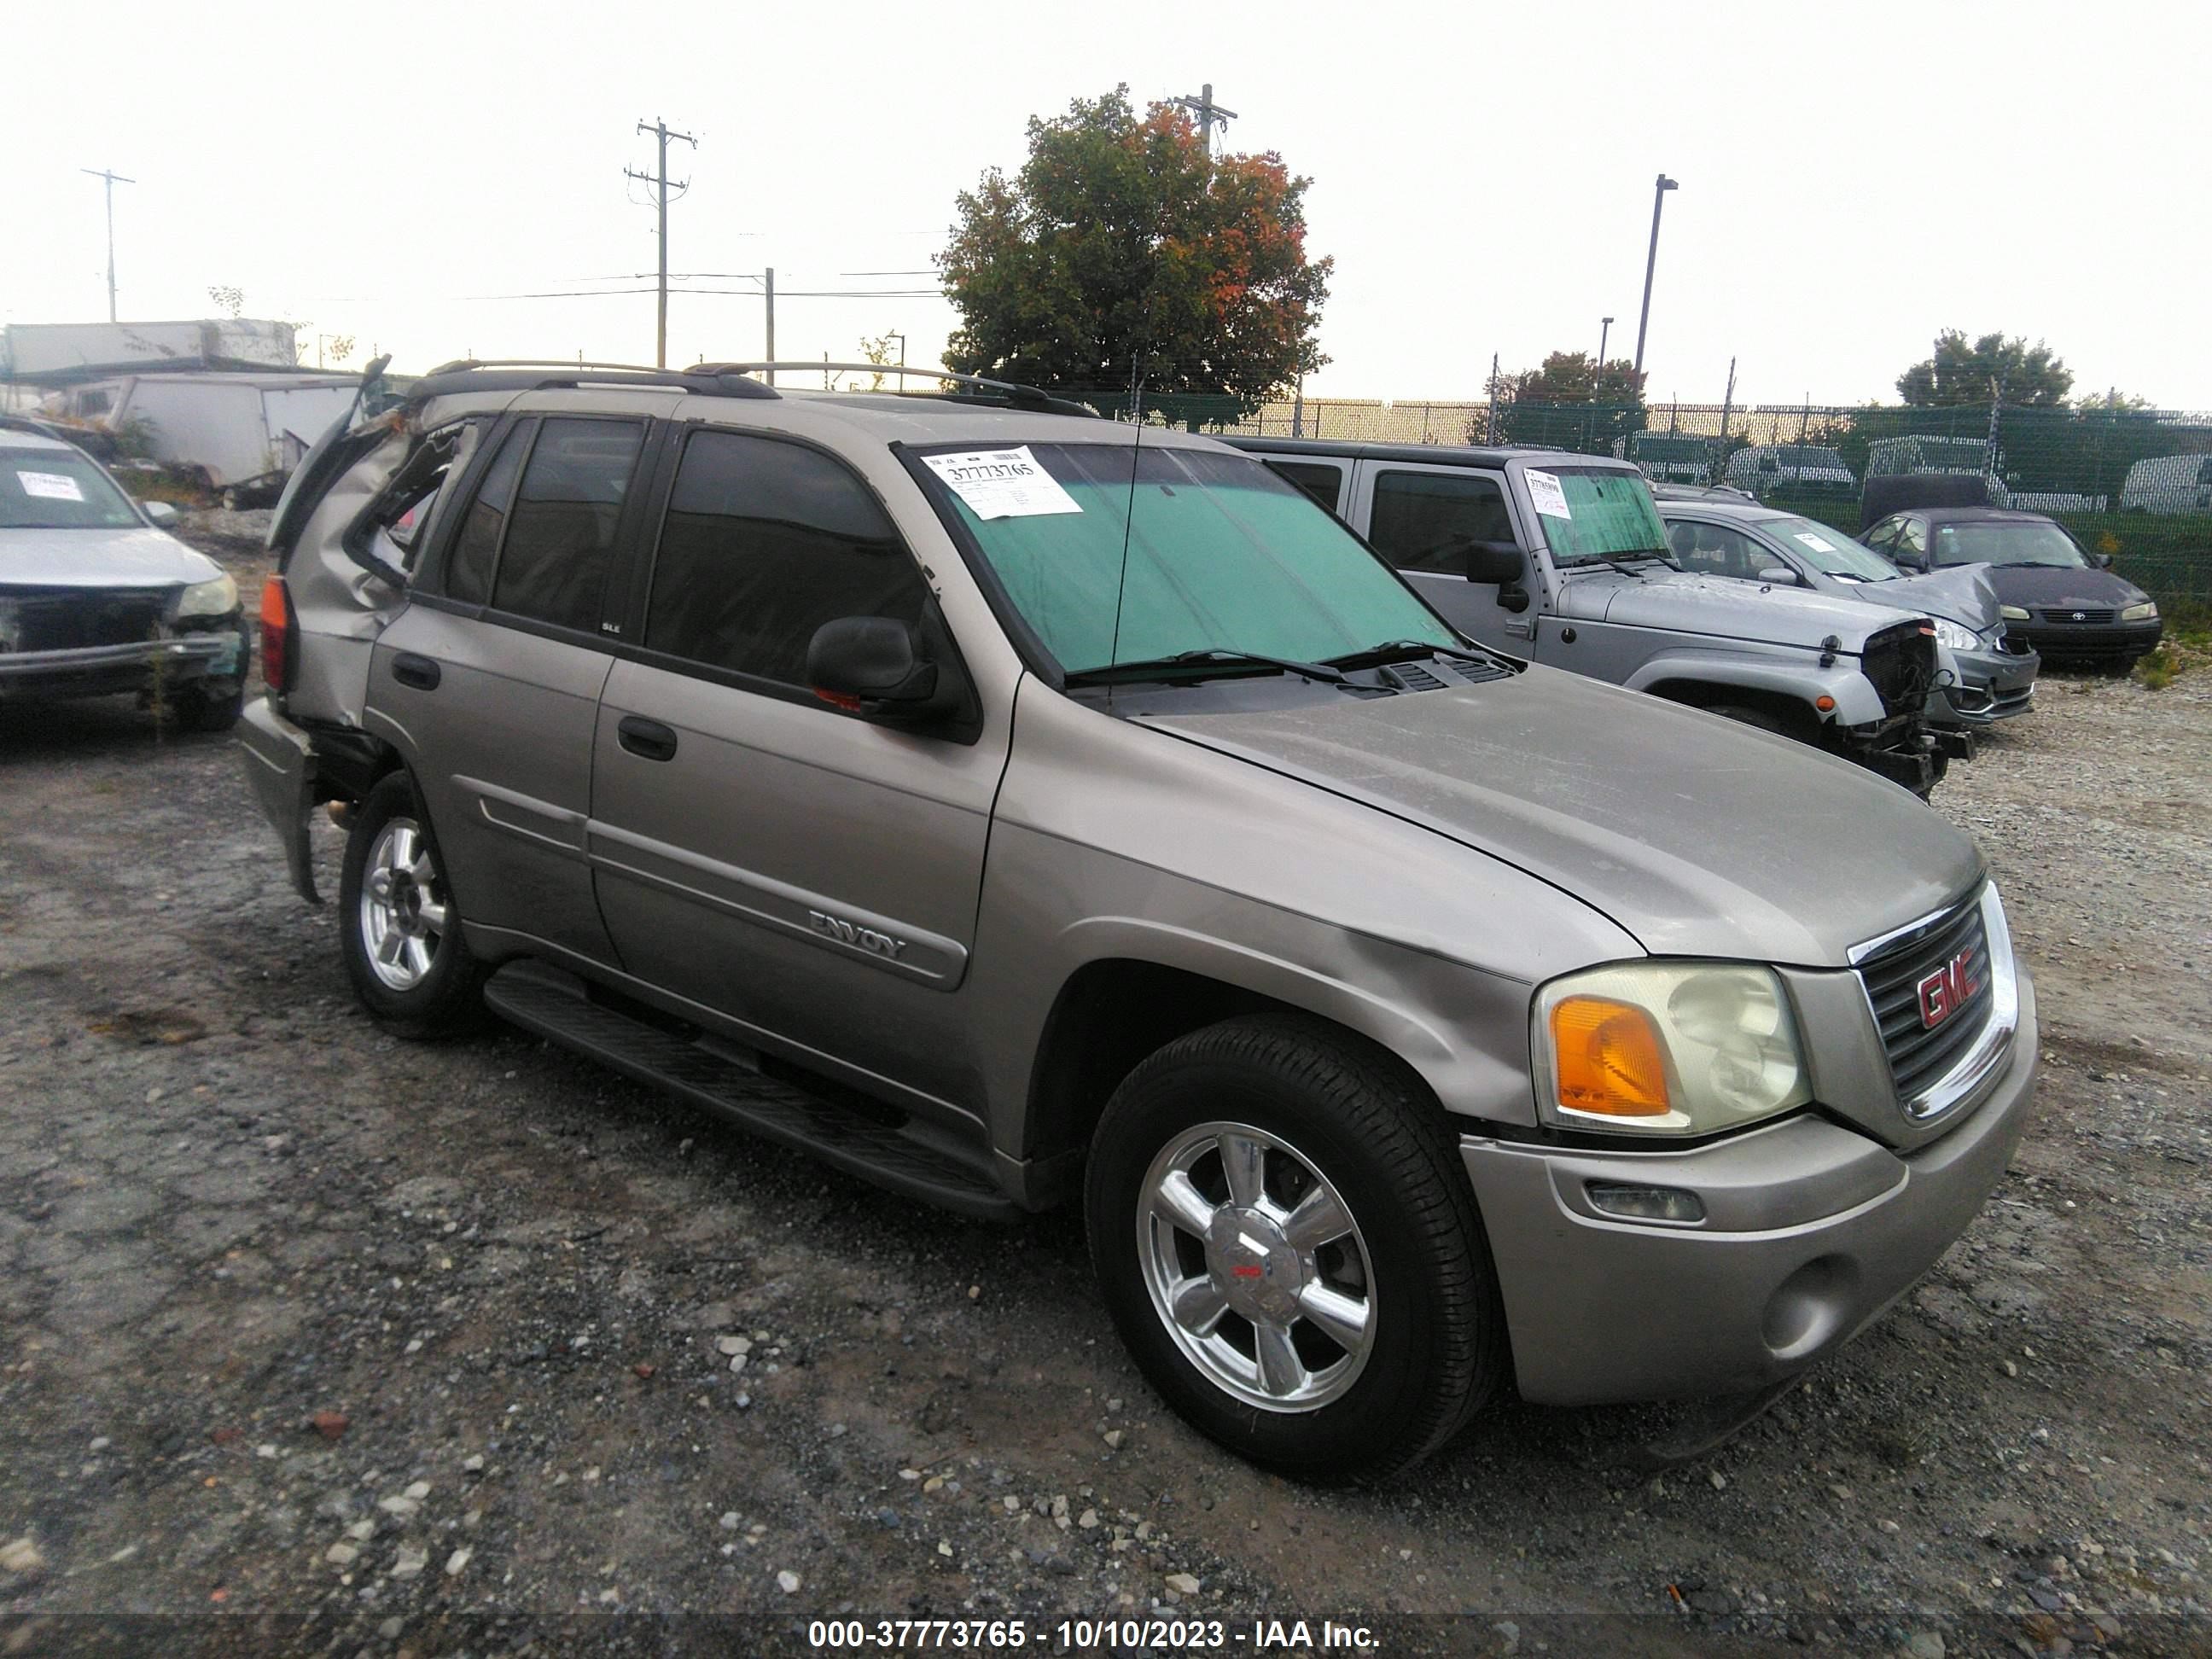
[[473, 1346]]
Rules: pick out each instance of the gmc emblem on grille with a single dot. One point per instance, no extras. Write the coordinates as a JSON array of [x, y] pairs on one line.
[[1949, 989]]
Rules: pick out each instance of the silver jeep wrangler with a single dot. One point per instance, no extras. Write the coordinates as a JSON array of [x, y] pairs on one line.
[[1562, 557], [1012, 807]]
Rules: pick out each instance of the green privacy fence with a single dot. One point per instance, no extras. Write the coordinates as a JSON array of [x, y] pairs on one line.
[[2135, 484]]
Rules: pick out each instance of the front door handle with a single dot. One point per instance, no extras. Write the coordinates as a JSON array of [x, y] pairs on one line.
[[420, 673], [648, 740]]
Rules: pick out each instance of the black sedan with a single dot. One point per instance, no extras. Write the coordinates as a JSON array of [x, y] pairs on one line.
[[2067, 603]]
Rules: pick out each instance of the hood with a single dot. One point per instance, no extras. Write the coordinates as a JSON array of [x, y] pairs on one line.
[[1964, 593], [137, 558], [2053, 584], [1720, 606], [1699, 837]]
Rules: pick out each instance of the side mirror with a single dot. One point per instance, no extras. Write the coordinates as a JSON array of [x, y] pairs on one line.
[[1780, 575], [878, 668], [1494, 561], [2104, 561], [165, 515], [1904, 560]]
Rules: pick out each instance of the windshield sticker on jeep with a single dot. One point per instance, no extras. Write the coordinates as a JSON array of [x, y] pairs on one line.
[[1819, 544], [50, 486], [1544, 490], [1002, 483]]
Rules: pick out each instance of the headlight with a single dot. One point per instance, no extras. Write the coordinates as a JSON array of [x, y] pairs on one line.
[[1958, 638], [216, 599], [2012, 613], [2147, 611], [1674, 1048]]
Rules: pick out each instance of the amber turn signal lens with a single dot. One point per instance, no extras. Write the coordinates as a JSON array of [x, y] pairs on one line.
[[1609, 1058]]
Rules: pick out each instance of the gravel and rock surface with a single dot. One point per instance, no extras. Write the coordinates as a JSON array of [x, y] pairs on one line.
[[474, 1346]]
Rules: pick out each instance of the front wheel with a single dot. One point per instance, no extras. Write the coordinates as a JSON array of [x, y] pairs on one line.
[[1291, 1252], [399, 926]]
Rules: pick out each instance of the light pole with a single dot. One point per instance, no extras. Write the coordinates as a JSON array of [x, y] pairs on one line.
[[900, 338], [1605, 327], [110, 178], [1651, 259]]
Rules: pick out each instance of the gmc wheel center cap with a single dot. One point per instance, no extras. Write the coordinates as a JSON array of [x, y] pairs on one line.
[[1254, 1266]]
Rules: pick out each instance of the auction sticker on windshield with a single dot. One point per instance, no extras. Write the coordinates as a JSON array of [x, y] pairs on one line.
[[1815, 543], [1002, 483], [1550, 499], [50, 486]]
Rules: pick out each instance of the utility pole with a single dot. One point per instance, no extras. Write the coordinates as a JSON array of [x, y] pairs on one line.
[[1651, 260], [111, 180], [1728, 405], [1489, 426], [659, 178], [1605, 328], [768, 286], [1210, 115]]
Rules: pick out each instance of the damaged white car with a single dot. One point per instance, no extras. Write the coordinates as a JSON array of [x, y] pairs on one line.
[[96, 598]]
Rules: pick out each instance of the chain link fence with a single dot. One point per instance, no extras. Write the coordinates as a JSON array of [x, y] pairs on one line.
[[2135, 484]]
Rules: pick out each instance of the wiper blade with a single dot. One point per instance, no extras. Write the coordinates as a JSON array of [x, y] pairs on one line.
[[1628, 556], [1389, 651], [1195, 665]]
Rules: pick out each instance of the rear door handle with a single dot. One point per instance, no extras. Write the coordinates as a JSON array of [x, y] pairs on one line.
[[648, 740], [420, 673]]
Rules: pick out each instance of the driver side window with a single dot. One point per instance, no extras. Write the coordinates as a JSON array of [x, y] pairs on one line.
[[1425, 521], [1912, 539], [1713, 550]]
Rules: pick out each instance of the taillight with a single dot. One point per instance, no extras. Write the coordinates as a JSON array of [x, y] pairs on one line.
[[277, 635]]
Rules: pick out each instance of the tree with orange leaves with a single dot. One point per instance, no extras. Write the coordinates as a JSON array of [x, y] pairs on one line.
[[1121, 251]]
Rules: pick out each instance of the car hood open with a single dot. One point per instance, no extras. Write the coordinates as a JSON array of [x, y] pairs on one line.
[[137, 557], [1700, 836], [1684, 603]]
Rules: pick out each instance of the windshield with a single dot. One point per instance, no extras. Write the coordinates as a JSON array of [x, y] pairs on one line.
[[1994, 542], [1829, 550], [1222, 555], [59, 490], [1588, 513]]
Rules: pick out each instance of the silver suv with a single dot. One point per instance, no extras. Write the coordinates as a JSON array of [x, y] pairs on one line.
[[1562, 557], [1014, 808]]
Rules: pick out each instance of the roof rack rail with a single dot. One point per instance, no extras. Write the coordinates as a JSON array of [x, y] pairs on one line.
[[1019, 395], [530, 373]]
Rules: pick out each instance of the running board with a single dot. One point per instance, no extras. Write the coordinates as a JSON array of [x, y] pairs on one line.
[[557, 1005]]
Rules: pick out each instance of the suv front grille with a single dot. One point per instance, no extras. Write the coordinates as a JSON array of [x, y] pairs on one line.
[[1942, 967], [50, 621], [1901, 662]]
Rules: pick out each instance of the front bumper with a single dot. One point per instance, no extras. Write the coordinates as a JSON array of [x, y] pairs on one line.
[[1993, 686], [94, 670], [1811, 1230], [2086, 640]]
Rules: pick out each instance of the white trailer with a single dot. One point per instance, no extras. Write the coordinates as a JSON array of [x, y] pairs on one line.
[[244, 431]]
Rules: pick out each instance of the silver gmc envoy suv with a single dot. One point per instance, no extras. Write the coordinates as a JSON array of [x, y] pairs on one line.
[[1012, 807]]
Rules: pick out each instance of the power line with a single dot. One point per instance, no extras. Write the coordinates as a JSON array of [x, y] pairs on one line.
[[660, 130]]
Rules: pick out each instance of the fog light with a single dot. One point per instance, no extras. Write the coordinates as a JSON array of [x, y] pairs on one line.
[[1646, 1203]]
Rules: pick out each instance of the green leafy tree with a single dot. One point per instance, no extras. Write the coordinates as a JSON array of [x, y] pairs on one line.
[[1119, 245], [1960, 370], [1570, 401]]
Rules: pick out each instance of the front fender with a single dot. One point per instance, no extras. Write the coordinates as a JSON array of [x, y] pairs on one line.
[[1856, 701]]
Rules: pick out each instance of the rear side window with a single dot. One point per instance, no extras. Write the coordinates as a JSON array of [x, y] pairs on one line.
[[468, 571], [1425, 520], [554, 566], [764, 542], [1324, 482]]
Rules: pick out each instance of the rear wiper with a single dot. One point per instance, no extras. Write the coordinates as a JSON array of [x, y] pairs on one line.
[[1389, 651], [1196, 665]]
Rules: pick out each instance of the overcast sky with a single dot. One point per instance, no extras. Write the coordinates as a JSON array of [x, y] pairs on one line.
[[1853, 177]]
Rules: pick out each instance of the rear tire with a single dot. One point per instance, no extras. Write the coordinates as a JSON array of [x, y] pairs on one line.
[[1291, 1250], [399, 926]]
